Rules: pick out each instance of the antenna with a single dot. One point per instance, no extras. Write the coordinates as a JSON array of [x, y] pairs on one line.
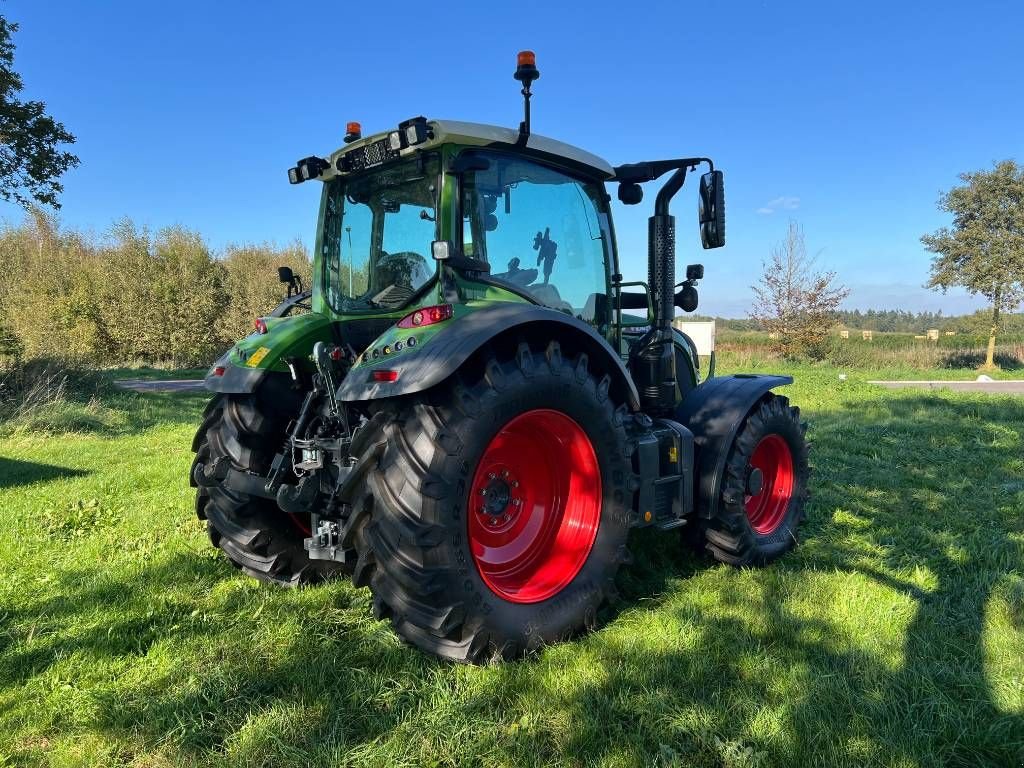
[[526, 73]]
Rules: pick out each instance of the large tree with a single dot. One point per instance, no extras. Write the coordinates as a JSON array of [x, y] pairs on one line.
[[30, 161], [984, 250], [794, 302]]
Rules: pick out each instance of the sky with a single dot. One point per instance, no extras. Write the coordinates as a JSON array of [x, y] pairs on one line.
[[848, 117]]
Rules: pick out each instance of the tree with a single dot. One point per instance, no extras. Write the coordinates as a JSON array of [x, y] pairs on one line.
[[30, 162], [984, 250], [794, 303]]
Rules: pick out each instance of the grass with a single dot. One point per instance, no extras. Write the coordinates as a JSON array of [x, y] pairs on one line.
[[894, 635]]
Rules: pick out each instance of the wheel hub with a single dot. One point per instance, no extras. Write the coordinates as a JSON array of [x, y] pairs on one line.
[[755, 481], [500, 498]]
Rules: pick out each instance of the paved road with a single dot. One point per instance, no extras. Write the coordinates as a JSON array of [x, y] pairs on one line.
[[1015, 387], [170, 385]]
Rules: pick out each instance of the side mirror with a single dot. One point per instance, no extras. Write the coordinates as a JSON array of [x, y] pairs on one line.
[[712, 210], [285, 275]]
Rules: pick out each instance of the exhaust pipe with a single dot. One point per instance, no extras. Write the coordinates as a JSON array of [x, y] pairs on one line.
[[657, 358]]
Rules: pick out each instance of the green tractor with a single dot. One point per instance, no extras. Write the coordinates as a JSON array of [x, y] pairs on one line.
[[464, 418]]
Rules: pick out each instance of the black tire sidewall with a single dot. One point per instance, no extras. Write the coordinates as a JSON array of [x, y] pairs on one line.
[[549, 620], [781, 539]]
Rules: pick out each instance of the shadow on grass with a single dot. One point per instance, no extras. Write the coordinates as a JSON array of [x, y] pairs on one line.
[[907, 499], [115, 413], [14, 472]]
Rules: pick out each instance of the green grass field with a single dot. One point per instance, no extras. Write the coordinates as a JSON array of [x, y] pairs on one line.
[[893, 636]]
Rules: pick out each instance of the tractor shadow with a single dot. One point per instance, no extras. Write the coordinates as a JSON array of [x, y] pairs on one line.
[[15, 472], [913, 509]]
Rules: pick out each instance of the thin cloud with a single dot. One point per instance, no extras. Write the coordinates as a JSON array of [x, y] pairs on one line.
[[784, 203]]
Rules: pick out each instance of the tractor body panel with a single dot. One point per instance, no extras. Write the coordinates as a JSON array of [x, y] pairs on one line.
[[714, 412]]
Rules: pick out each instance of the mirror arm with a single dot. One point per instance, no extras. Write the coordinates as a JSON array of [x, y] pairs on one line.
[[638, 173]]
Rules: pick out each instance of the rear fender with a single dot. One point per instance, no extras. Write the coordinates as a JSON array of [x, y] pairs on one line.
[[263, 356], [714, 412], [448, 349]]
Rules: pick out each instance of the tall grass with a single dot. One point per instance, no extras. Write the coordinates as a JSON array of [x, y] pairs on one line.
[[48, 395]]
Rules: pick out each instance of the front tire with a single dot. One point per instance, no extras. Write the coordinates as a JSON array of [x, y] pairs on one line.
[[498, 513], [764, 489]]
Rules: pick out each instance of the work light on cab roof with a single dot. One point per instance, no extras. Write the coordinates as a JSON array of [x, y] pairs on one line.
[[473, 408]]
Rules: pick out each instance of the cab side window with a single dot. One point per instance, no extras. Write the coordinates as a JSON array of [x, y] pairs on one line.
[[541, 231]]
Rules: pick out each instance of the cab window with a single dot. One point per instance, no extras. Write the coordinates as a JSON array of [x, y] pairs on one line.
[[542, 232]]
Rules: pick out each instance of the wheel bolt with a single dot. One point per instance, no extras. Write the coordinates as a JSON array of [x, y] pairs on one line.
[[505, 473], [491, 475], [515, 483], [517, 502]]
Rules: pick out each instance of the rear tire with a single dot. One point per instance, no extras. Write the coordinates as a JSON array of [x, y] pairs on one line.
[[758, 516], [460, 568], [253, 532]]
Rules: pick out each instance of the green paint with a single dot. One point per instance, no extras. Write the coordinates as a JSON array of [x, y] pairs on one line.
[[286, 337]]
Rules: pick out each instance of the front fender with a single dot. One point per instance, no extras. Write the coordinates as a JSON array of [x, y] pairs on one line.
[[448, 349], [714, 412]]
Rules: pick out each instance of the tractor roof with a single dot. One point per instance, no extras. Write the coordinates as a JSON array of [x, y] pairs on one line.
[[479, 134]]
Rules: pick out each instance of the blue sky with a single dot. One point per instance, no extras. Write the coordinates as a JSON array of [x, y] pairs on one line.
[[848, 117]]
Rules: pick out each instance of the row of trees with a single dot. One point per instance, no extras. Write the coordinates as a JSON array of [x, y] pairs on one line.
[[133, 296], [892, 320]]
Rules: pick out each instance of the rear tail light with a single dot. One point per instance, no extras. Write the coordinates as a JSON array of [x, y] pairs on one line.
[[260, 325], [218, 370], [384, 376], [427, 316]]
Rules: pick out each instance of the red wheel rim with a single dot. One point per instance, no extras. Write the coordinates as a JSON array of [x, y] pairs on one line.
[[767, 509], [534, 506]]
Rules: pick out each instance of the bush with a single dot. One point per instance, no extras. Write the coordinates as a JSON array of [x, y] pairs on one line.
[[163, 299]]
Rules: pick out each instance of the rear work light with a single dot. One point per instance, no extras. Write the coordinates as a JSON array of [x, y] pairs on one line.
[[427, 316], [384, 376]]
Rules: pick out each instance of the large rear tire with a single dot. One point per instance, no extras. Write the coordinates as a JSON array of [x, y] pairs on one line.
[[764, 489], [252, 531], [498, 512]]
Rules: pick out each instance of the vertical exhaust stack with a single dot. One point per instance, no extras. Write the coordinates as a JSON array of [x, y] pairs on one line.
[[658, 356]]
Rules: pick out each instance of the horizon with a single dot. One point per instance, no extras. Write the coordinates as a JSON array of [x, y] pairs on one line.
[[849, 120]]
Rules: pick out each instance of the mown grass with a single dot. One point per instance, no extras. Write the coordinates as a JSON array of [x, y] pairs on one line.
[[893, 636]]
